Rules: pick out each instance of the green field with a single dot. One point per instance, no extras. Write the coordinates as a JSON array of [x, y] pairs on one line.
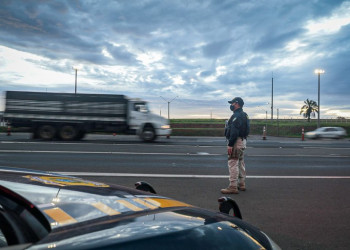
[[284, 127]]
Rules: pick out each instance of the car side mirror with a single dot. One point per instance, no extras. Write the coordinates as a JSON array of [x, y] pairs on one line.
[[226, 204]]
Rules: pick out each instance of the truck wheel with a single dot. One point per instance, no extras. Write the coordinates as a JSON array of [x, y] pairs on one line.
[[46, 132], [68, 133], [148, 134]]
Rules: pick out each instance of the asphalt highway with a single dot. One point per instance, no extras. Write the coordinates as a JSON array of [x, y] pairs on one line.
[[297, 191]]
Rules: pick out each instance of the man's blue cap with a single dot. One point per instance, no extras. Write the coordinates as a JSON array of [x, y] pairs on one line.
[[238, 100]]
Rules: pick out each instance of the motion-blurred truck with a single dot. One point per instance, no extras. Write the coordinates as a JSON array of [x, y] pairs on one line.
[[70, 116]]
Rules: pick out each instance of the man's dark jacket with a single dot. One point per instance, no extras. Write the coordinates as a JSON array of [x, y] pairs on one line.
[[238, 126]]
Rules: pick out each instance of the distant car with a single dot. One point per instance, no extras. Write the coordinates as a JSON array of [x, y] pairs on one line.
[[327, 132], [41, 210]]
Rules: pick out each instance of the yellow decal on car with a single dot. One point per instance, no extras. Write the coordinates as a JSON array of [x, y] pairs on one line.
[[129, 205], [104, 208], [65, 181], [145, 203], [60, 216], [163, 203]]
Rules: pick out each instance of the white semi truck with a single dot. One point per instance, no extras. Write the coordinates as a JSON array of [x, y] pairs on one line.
[[71, 116]]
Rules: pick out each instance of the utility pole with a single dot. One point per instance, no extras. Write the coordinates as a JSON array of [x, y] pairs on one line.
[[76, 78], [319, 72], [278, 123], [169, 105], [272, 98]]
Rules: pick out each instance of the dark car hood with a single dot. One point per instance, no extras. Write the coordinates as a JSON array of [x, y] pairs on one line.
[[68, 200], [85, 214]]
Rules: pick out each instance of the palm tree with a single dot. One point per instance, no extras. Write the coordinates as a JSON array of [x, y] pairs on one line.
[[309, 109]]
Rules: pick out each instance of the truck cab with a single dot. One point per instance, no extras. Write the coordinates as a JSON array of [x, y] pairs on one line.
[[146, 124]]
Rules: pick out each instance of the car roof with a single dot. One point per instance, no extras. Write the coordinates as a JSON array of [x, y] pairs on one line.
[[335, 128]]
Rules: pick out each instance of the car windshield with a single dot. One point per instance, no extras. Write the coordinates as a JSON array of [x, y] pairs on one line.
[[86, 206], [141, 107], [220, 235], [157, 235]]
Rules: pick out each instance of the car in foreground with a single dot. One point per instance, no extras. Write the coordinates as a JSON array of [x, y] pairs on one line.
[[43, 210], [327, 132]]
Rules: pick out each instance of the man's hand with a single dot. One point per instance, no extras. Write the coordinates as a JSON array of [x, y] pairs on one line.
[[233, 152], [229, 150]]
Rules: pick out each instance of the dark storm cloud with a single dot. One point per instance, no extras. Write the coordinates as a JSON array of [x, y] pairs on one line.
[[190, 48], [216, 49], [121, 54], [206, 73], [49, 28], [272, 41]]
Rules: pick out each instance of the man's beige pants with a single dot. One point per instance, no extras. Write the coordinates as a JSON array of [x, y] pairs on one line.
[[236, 166]]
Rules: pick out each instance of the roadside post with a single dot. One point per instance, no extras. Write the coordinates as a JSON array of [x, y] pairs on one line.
[[8, 129], [264, 133], [302, 133]]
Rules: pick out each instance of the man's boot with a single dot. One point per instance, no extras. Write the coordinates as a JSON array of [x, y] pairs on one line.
[[230, 190], [241, 187]]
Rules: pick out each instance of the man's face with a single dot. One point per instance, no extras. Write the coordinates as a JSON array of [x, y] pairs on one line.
[[235, 105]]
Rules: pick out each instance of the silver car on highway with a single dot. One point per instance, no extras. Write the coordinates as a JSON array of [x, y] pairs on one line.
[[327, 132]]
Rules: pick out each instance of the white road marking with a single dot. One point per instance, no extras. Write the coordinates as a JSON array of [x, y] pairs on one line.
[[325, 148], [155, 153], [110, 144], [196, 176], [117, 153], [300, 155], [71, 143], [160, 145]]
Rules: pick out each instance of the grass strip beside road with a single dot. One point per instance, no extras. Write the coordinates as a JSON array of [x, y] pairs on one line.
[[281, 127]]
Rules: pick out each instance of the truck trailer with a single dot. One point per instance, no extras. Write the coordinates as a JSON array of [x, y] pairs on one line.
[[70, 116]]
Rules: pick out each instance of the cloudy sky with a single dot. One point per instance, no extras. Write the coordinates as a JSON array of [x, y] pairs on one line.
[[194, 54]]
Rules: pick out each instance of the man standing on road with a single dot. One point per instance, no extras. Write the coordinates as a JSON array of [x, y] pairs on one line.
[[236, 133]]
